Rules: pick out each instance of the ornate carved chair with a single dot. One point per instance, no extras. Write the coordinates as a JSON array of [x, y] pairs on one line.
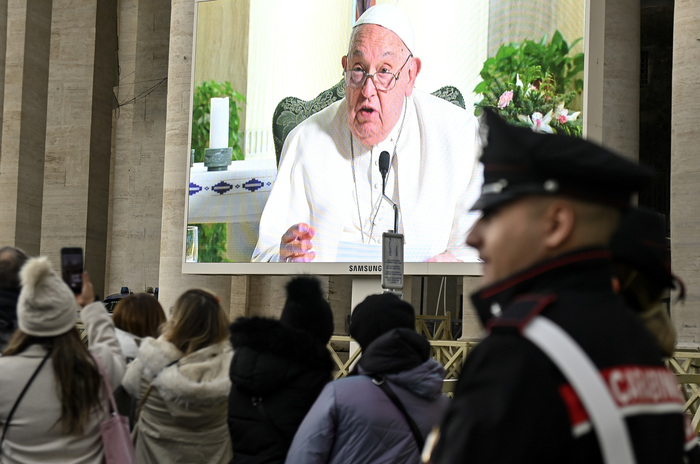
[[291, 110]]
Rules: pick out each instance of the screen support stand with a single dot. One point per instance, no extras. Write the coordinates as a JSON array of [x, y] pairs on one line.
[[362, 287]]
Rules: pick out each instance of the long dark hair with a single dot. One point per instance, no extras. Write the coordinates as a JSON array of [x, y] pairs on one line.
[[78, 379]]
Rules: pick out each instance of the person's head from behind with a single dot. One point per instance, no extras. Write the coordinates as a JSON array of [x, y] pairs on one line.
[[642, 271], [198, 321], [379, 314], [305, 308], [380, 71], [140, 314], [545, 195], [47, 312], [11, 261]]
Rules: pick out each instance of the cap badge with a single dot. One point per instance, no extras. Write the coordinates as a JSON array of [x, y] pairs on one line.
[[494, 187], [551, 185]]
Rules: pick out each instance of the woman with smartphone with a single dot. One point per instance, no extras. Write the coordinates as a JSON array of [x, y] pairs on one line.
[[51, 402]]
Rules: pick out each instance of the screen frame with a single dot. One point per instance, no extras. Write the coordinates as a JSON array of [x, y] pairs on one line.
[[593, 39]]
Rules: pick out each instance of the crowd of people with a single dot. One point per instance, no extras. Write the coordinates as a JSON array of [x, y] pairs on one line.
[[572, 300]]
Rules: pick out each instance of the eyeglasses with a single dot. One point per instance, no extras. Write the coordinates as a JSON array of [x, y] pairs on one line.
[[383, 80]]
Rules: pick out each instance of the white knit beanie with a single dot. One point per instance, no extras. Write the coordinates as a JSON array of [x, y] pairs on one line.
[[46, 305]]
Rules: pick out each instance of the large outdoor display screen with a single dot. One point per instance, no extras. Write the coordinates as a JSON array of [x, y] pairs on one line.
[[523, 57]]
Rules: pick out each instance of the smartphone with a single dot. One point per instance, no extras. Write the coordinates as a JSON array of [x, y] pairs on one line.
[[72, 268]]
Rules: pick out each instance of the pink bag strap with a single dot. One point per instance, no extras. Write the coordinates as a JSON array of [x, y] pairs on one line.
[[112, 404]]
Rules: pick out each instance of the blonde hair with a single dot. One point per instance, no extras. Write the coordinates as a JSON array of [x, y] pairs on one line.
[[198, 321]]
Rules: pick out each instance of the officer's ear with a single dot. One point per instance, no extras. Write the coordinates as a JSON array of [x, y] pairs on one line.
[[615, 284], [559, 221]]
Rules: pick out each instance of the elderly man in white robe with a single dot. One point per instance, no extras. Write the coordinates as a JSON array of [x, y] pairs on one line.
[[327, 203]]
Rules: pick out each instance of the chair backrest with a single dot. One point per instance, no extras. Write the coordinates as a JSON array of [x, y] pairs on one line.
[[291, 110]]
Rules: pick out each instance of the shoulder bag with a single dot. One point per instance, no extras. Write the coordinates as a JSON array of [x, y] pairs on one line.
[[379, 381], [116, 439]]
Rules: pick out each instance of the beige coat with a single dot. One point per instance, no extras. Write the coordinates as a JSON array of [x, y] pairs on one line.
[[183, 419], [32, 436]]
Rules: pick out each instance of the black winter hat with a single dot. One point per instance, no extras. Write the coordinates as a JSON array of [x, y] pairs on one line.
[[377, 315], [306, 309]]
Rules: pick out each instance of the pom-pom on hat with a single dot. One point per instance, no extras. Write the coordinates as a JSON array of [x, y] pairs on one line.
[[46, 305], [377, 315], [306, 309], [390, 17]]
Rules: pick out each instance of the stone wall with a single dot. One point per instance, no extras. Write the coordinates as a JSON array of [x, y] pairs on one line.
[[685, 166]]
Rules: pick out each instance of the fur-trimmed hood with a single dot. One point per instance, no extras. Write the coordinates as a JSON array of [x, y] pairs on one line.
[[197, 378], [270, 354]]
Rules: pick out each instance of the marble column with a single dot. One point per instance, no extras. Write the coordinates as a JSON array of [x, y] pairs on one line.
[[685, 164], [82, 71], [25, 87], [137, 166], [611, 98]]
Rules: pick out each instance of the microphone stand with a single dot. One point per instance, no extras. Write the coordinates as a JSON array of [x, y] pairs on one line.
[[392, 242], [384, 169]]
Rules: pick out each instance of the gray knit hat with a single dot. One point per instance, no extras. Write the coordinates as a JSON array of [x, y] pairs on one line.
[[46, 305]]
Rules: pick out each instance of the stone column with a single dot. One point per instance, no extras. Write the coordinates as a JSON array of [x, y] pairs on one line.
[[140, 120], [611, 100], [685, 164], [3, 49], [83, 71], [172, 280], [26, 71]]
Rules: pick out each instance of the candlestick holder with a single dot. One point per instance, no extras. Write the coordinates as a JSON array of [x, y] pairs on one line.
[[217, 159]]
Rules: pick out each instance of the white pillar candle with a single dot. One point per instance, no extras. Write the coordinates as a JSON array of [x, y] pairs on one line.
[[218, 123]]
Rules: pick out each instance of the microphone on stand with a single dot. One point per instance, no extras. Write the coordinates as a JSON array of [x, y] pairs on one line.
[[384, 162]]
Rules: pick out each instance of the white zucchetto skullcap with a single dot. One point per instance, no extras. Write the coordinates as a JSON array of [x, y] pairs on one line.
[[392, 18], [46, 305]]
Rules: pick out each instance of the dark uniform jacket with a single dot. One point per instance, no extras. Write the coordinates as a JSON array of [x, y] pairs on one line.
[[277, 373], [512, 405]]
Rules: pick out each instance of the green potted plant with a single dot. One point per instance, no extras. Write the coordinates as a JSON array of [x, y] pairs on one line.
[[535, 84]]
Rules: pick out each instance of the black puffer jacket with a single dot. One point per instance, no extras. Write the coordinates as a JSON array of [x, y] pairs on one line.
[[276, 373], [8, 316]]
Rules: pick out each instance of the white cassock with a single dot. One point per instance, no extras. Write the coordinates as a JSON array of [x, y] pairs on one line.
[[330, 180]]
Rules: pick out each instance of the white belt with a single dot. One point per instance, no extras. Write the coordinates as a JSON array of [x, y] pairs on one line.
[[608, 423]]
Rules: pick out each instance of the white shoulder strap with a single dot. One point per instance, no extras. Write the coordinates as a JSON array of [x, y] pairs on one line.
[[607, 421]]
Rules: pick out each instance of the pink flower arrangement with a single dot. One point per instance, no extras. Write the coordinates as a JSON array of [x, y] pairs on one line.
[[505, 99]]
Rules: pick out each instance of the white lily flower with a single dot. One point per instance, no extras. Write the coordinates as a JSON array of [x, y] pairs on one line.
[[538, 122], [562, 115]]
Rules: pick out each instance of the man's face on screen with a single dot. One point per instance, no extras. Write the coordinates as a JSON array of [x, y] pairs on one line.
[[373, 113]]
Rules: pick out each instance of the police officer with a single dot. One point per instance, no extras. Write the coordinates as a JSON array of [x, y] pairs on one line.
[[550, 205]]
